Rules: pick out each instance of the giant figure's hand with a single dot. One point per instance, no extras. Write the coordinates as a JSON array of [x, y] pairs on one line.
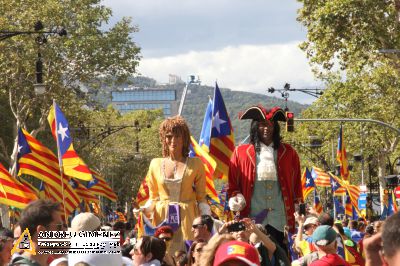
[[237, 203]]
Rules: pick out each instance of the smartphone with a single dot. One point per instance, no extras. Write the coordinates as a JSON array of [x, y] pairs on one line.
[[302, 209], [236, 227]]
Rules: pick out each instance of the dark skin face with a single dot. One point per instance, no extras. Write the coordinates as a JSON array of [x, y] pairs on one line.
[[265, 132]]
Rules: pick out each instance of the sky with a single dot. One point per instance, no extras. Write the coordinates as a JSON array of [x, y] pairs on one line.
[[244, 45]]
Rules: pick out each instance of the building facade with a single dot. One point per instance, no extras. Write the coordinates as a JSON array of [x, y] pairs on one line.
[[134, 98]]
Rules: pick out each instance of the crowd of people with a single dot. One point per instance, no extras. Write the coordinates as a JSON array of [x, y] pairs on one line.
[[319, 240], [264, 192]]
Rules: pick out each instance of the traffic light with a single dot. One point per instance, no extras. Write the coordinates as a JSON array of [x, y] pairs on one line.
[[289, 122]]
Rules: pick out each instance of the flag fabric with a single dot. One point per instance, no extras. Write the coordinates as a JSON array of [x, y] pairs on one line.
[[72, 164], [143, 193], [31, 187], [307, 183], [36, 160], [205, 135], [222, 143], [317, 202], [389, 206], [99, 186], [342, 157], [321, 178], [348, 207], [394, 202], [354, 194], [336, 184], [84, 194], [209, 167], [12, 192]]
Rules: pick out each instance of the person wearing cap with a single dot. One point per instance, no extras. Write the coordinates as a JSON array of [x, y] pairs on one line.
[[264, 175], [85, 221], [324, 239], [309, 224], [236, 253]]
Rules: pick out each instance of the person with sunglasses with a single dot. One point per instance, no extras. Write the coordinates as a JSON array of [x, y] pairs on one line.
[[166, 234]]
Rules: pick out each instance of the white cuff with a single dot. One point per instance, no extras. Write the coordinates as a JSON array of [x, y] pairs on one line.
[[237, 203], [204, 208], [148, 207]]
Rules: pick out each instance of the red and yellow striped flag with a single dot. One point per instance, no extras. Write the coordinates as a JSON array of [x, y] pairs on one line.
[[72, 164], [12, 192], [143, 193], [99, 186], [342, 157], [209, 166], [82, 192], [321, 178], [222, 143], [37, 160]]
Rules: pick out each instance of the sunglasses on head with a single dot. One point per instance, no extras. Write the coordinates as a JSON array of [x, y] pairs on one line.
[[166, 238], [195, 226]]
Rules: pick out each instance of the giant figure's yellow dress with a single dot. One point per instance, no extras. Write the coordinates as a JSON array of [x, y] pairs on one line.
[[187, 191]]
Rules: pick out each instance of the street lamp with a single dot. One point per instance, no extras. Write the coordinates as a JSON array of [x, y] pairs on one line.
[[286, 88], [39, 86], [192, 80]]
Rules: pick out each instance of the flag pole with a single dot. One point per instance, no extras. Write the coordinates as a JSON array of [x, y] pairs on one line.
[[60, 164]]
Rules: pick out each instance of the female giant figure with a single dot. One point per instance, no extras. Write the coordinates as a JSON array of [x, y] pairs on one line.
[[176, 179]]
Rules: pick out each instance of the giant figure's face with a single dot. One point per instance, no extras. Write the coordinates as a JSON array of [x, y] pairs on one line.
[[265, 131]]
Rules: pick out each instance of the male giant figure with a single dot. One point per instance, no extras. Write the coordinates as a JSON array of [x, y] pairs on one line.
[[264, 175]]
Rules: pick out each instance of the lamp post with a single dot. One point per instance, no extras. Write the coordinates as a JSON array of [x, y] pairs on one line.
[[286, 88], [192, 80], [39, 86]]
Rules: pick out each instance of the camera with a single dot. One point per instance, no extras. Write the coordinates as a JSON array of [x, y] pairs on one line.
[[236, 227]]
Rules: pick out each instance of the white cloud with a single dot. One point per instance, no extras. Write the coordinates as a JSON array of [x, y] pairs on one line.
[[245, 68]]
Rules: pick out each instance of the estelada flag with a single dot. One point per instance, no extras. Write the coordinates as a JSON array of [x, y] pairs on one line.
[[222, 142], [72, 164], [342, 157], [99, 186], [209, 166], [12, 192], [307, 182]]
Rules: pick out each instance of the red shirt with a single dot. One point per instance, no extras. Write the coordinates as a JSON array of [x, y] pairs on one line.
[[242, 175], [330, 260]]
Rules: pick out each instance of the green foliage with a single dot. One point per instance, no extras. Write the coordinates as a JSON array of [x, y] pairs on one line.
[[87, 55], [348, 32]]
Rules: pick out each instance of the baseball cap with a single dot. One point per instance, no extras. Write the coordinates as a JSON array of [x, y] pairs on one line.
[[310, 220], [237, 250], [85, 221], [324, 235]]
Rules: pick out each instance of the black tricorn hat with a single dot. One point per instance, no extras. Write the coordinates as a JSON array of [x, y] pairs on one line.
[[259, 113]]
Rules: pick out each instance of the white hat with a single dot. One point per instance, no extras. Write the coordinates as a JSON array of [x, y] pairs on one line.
[[311, 220], [85, 221]]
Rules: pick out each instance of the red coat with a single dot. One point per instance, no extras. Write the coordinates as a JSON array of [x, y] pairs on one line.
[[242, 174]]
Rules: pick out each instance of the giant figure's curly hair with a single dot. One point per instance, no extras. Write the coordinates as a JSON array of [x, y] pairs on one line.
[[177, 126], [255, 140]]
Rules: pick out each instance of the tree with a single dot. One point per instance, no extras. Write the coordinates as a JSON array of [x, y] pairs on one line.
[[87, 55], [123, 156], [348, 32]]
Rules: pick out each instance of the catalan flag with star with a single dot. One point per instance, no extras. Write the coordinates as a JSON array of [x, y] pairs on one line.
[[12, 192], [70, 161], [307, 182], [209, 167], [36, 160], [321, 178], [99, 186], [222, 142]]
